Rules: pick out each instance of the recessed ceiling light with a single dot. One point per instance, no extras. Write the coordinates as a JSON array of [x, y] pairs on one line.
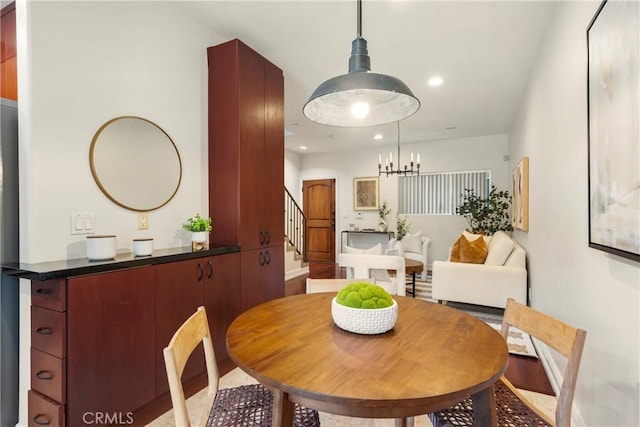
[[303, 147], [435, 81], [377, 136]]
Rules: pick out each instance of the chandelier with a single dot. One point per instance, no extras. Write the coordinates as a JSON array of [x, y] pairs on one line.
[[388, 168]]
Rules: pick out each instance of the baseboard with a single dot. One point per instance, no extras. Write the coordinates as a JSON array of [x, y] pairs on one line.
[[291, 274], [555, 378]]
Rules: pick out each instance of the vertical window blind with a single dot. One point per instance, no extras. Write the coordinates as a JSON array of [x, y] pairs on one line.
[[439, 193]]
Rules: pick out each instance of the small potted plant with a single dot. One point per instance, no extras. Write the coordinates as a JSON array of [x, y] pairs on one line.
[[402, 227], [199, 228], [364, 308]]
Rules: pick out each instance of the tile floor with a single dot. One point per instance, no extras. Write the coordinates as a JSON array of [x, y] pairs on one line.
[[238, 377]]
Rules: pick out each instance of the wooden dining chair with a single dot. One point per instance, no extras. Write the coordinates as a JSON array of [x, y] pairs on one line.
[[513, 408], [238, 406]]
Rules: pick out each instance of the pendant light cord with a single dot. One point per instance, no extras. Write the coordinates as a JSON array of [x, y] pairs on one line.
[[359, 18]]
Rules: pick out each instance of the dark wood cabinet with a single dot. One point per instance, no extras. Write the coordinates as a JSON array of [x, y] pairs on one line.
[[8, 53], [223, 300], [262, 275], [179, 292], [110, 343], [246, 164], [97, 339]]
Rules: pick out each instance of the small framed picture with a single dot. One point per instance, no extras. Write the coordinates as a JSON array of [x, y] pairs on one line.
[[520, 193], [366, 194]]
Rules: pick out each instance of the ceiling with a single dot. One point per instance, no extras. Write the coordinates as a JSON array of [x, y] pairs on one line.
[[484, 51]]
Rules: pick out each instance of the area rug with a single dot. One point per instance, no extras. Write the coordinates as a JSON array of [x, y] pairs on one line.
[[519, 342]]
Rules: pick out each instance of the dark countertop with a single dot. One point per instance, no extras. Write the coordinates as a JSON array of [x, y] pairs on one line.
[[75, 267]]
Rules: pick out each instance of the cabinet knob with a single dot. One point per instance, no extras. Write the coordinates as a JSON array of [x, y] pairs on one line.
[[200, 272], [209, 269], [261, 258], [44, 331], [44, 375], [41, 420], [268, 232], [267, 257], [262, 237]]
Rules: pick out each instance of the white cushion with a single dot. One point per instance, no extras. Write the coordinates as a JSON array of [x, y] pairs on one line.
[[374, 250], [412, 242], [500, 248]]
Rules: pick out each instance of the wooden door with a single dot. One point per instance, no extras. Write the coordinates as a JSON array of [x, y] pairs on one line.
[[319, 207]]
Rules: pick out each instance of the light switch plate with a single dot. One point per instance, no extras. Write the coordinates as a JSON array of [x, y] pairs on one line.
[[82, 223]]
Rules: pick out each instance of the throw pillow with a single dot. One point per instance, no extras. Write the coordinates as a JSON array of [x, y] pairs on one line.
[[413, 242], [499, 249], [474, 252], [374, 250], [455, 250]]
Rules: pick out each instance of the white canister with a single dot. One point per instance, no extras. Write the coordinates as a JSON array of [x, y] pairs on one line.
[[143, 247], [101, 247]]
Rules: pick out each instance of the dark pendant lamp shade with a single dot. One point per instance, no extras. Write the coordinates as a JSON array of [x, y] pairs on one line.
[[361, 98]]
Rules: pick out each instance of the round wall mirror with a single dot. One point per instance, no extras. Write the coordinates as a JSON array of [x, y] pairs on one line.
[[135, 163]]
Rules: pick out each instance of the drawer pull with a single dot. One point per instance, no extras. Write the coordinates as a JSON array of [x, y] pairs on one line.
[[45, 331], [44, 375], [44, 291], [41, 420]]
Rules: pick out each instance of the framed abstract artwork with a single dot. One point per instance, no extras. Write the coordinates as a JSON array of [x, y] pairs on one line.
[[613, 43], [520, 195], [366, 194]]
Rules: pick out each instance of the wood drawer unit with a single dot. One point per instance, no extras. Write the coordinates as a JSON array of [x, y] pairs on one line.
[[51, 294], [48, 331], [48, 353], [48, 375], [43, 411]]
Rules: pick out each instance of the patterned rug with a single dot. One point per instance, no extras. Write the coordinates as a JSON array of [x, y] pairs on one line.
[[519, 342]]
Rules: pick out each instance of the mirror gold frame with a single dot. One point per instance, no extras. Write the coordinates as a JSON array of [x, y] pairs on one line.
[[135, 163]]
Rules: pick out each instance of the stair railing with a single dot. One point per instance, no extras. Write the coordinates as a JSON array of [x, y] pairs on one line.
[[294, 224]]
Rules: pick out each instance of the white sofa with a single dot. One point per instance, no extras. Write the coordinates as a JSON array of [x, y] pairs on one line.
[[484, 284], [413, 246]]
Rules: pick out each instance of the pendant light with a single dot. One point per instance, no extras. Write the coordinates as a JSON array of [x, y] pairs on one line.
[[361, 98]]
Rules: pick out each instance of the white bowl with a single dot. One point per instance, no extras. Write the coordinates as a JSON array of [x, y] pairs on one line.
[[364, 320], [142, 247], [101, 247]]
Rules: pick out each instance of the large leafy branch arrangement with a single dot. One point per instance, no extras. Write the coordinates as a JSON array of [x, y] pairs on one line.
[[486, 215]]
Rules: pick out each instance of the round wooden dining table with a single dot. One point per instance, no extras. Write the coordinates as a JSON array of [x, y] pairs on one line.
[[434, 357]]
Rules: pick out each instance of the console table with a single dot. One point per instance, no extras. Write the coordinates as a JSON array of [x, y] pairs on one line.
[[369, 238]]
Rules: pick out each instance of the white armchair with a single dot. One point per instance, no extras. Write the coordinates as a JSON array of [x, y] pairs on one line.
[[413, 246], [376, 267]]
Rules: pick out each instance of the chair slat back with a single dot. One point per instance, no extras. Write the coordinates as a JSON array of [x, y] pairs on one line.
[[563, 338], [330, 285], [194, 330]]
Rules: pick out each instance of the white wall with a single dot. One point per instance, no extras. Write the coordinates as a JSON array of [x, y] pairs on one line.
[[292, 180], [585, 287], [79, 65], [483, 152], [85, 63]]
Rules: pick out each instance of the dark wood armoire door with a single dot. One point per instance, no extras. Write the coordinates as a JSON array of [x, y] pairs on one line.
[[319, 207]]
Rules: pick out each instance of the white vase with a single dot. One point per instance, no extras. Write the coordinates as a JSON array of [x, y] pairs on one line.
[[382, 225], [199, 240]]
